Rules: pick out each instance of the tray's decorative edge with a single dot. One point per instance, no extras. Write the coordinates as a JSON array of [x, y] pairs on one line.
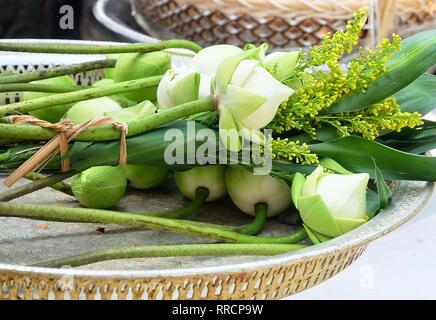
[[269, 283], [267, 278]]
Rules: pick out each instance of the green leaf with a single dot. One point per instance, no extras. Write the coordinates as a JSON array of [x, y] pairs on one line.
[[333, 165], [326, 133], [144, 149], [420, 96], [414, 59], [383, 191], [356, 154], [372, 203], [417, 140], [289, 166]]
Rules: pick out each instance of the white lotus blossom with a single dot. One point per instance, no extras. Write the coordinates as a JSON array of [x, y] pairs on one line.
[[331, 204], [248, 95], [183, 87]]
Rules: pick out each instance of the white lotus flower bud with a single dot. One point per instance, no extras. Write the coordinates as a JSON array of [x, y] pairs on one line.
[[210, 177], [247, 189], [331, 204], [249, 96], [344, 195], [282, 64], [178, 88], [208, 60]]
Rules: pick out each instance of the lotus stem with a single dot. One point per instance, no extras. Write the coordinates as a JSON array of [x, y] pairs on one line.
[[261, 210], [192, 207], [38, 87], [59, 186], [66, 214], [107, 132], [64, 48], [71, 97], [173, 251], [34, 186], [57, 71], [252, 228]]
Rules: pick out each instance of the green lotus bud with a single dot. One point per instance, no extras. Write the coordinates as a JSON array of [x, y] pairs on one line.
[[248, 93], [51, 114], [89, 109], [282, 64], [131, 66], [331, 204], [145, 177], [178, 88], [247, 189], [99, 187], [141, 110], [122, 101], [210, 177]]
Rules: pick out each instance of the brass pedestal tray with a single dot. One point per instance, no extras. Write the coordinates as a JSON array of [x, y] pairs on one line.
[[25, 242]]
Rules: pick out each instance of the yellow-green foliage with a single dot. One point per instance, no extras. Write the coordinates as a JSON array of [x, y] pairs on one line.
[[286, 149], [320, 89]]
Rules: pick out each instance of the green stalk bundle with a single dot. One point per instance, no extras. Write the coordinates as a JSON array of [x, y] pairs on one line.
[[76, 96], [105, 132]]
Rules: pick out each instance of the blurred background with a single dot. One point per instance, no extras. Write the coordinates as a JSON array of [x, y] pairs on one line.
[[282, 23]]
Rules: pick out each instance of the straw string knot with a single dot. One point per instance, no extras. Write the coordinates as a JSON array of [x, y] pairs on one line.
[[66, 131]]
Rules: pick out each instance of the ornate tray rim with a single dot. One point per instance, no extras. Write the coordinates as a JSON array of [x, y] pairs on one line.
[[371, 231], [408, 199]]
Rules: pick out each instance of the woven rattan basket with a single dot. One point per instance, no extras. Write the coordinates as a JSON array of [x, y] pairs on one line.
[[281, 23], [23, 242]]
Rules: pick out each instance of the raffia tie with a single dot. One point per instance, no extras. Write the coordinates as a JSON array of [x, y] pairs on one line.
[[66, 131]]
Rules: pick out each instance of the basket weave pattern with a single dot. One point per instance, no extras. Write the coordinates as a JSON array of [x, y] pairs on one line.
[[273, 283], [281, 23], [220, 22]]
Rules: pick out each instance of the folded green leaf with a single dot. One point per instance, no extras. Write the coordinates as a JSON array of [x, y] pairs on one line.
[[417, 141], [356, 154], [372, 203], [383, 191]]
